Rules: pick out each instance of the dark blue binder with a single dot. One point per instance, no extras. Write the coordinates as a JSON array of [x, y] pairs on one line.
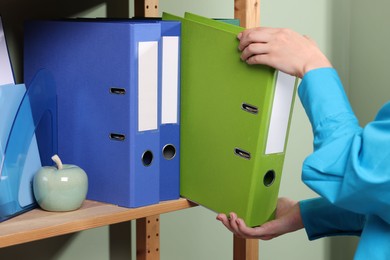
[[107, 80], [170, 111]]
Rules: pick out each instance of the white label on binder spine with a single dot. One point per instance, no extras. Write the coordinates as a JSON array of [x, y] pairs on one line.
[[280, 114], [170, 77], [147, 85]]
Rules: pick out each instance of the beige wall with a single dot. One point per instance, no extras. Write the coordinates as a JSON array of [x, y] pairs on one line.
[[194, 233], [369, 57]]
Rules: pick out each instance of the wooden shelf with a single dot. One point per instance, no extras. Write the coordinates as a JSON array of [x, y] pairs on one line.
[[39, 224]]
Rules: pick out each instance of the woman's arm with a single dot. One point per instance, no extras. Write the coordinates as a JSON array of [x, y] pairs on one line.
[[350, 165]]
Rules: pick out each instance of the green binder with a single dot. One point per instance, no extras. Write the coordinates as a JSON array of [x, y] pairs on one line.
[[234, 123]]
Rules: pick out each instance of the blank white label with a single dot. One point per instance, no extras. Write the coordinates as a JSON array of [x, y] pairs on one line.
[[147, 85], [170, 76], [280, 114]]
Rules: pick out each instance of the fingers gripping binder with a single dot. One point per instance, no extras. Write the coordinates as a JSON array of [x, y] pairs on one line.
[[34, 126]]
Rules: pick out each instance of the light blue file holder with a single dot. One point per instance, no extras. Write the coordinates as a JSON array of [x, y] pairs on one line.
[[36, 117]]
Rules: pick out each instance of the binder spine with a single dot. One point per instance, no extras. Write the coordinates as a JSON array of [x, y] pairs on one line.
[[170, 111], [146, 162], [275, 130]]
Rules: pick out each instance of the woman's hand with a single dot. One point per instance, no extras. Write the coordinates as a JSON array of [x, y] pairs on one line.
[[282, 49], [288, 219]]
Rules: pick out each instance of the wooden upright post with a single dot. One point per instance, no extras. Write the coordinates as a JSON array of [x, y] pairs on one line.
[[146, 8], [245, 249], [248, 12], [148, 238], [148, 228]]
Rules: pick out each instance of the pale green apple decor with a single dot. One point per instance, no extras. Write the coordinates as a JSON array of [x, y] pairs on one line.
[[60, 188]]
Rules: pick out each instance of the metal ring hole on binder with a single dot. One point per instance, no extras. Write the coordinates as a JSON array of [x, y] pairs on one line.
[[242, 153], [147, 158], [118, 91], [169, 151], [249, 108], [269, 178], [117, 137]]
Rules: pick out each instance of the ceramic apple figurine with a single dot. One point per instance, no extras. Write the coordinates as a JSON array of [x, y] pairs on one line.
[[60, 188]]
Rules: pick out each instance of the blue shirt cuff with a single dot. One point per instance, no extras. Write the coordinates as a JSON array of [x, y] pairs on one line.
[[321, 218]]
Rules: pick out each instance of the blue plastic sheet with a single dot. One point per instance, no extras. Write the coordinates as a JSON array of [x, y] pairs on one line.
[[35, 119]]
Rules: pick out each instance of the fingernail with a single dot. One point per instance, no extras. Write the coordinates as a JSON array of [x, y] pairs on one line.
[[239, 36]]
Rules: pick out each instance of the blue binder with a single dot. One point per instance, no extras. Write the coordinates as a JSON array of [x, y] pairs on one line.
[[28, 136], [107, 79], [170, 111], [169, 102]]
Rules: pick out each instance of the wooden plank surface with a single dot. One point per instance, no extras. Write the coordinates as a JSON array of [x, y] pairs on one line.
[[38, 224]]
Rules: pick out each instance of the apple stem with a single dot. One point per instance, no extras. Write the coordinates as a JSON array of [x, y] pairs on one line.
[[58, 162]]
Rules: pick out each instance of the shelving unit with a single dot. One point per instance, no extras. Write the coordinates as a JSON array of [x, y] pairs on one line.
[[38, 224]]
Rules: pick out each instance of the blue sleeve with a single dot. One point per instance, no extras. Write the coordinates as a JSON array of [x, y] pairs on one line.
[[374, 240], [321, 218], [349, 165]]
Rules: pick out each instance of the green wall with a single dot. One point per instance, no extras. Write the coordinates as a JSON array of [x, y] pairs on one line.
[[343, 29]]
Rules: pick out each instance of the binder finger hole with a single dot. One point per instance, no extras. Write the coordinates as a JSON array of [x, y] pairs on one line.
[[169, 152], [242, 153], [118, 91], [269, 178], [249, 108], [147, 158], [117, 137]]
